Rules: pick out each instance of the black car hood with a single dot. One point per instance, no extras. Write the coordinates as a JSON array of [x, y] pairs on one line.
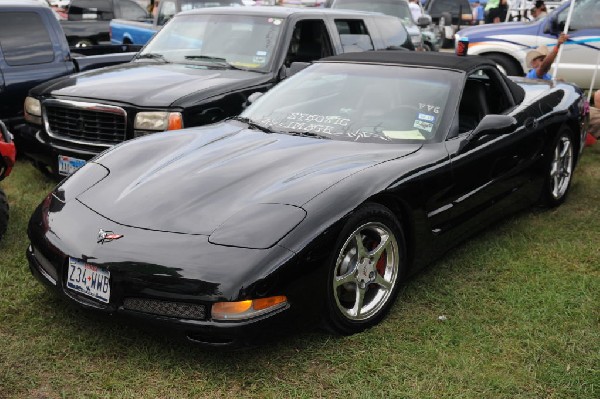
[[151, 84], [191, 181]]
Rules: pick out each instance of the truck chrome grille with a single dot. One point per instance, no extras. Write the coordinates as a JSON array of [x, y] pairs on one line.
[[164, 308], [85, 123]]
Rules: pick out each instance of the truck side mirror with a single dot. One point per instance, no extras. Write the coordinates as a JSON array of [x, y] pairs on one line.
[[254, 96], [553, 27]]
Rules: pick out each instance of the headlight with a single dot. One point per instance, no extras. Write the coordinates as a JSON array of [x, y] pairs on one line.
[[158, 121], [33, 110]]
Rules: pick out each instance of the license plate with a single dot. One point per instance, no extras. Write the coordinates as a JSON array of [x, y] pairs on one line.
[[89, 280], [68, 165]]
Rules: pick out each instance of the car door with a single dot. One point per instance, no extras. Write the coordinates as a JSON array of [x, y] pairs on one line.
[[580, 54], [491, 170]]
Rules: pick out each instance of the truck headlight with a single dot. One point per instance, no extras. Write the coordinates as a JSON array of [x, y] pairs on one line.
[[158, 121], [33, 110]]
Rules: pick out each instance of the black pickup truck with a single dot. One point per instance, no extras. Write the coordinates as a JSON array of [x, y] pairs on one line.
[[33, 50], [200, 68], [88, 21]]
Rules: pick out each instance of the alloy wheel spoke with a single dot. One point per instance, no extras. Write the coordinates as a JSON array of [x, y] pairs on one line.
[[382, 282], [359, 301], [362, 252], [383, 245], [347, 278]]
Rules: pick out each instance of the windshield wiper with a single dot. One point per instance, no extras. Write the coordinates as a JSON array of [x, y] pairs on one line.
[[205, 57], [307, 134], [153, 56], [252, 124], [219, 60]]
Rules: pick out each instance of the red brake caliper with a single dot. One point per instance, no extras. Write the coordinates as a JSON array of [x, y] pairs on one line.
[[380, 266]]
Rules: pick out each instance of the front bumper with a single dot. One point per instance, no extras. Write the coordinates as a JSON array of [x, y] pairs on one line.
[[36, 145], [169, 268]]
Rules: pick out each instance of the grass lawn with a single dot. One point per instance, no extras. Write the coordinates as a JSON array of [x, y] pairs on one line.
[[521, 301]]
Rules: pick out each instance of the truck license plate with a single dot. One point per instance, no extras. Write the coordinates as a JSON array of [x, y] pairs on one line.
[[89, 280], [68, 165]]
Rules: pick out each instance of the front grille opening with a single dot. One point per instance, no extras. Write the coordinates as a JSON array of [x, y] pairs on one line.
[[86, 125], [179, 310]]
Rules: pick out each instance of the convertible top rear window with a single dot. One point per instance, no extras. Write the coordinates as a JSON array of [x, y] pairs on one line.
[[369, 103]]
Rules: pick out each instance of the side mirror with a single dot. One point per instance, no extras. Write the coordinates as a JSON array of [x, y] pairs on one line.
[[296, 67], [494, 124], [254, 96], [424, 21]]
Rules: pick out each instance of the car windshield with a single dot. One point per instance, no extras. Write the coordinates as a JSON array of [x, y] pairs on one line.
[[360, 102], [396, 8], [240, 41]]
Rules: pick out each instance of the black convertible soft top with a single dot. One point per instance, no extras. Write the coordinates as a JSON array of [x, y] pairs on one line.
[[431, 59], [427, 59]]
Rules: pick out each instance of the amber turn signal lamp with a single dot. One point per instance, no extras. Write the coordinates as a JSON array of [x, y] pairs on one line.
[[247, 309], [175, 121]]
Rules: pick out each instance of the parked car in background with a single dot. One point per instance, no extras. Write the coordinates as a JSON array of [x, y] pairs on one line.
[[422, 38], [449, 16], [88, 21], [7, 161], [314, 206], [199, 69], [124, 31], [33, 50], [508, 44], [396, 8]]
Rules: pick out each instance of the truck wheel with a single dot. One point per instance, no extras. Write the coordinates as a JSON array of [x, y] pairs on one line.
[[446, 33], [506, 64], [3, 213]]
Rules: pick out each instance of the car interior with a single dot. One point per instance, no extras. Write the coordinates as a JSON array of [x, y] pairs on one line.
[[476, 102], [310, 42]]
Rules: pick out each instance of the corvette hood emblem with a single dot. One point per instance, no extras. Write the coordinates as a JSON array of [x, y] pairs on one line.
[[107, 236]]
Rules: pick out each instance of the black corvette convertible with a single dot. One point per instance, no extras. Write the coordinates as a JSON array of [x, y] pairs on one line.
[[315, 203]]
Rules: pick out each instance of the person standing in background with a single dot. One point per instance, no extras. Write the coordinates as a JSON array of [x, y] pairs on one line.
[[478, 13], [490, 8], [415, 9], [539, 10]]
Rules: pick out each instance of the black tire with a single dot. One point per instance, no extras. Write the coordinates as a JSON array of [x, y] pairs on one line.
[[445, 20], [427, 47], [558, 169], [365, 270], [506, 64], [3, 213]]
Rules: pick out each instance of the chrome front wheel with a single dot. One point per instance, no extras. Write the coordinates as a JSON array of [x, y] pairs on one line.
[[365, 273]]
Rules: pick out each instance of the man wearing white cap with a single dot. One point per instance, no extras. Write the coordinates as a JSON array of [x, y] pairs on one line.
[[540, 60]]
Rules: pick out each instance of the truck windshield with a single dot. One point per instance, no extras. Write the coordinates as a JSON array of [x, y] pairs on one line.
[[239, 41]]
